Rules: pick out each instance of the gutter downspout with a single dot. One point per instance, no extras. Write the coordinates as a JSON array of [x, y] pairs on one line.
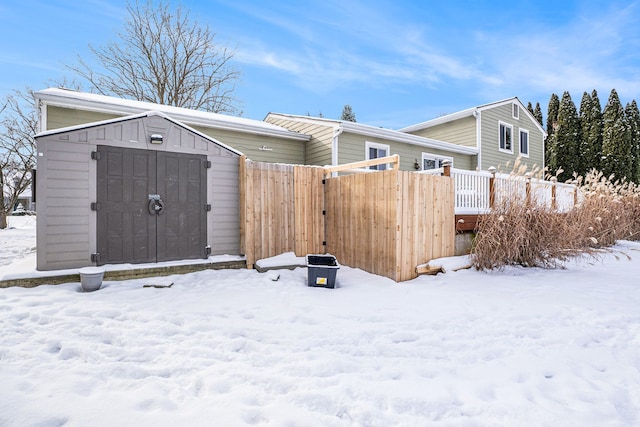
[[334, 148], [41, 108], [477, 114]]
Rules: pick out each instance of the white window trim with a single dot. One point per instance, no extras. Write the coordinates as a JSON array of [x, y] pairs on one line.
[[515, 111], [521, 131], [504, 150], [377, 146], [431, 156]]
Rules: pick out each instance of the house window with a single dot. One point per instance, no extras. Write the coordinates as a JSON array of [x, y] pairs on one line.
[[506, 137], [434, 161], [516, 111], [524, 143], [375, 151]]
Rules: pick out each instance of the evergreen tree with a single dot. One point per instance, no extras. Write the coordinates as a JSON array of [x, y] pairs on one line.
[[585, 115], [593, 135], [537, 113], [567, 137], [633, 118], [550, 141], [530, 107], [348, 114], [616, 141]]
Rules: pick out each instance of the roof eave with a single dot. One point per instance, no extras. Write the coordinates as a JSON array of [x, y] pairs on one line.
[[105, 107]]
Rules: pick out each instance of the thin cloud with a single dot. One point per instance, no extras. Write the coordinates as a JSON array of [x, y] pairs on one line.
[[21, 63], [375, 52], [588, 52]]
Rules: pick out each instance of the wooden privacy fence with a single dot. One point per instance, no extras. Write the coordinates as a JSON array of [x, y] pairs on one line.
[[384, 222], [280, 210]]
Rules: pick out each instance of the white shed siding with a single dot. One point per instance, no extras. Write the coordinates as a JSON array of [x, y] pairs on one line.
[[223, 222], [64, 197]]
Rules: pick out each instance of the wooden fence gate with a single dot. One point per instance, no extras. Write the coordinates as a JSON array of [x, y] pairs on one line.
[[389, 222], [385, 222]]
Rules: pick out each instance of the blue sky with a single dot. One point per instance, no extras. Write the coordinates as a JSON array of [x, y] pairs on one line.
[[395, 62]]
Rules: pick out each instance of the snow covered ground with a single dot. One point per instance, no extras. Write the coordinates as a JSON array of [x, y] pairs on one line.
[[523, 347], [18, 239]]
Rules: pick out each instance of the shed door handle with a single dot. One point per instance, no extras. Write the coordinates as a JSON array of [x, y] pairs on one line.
[[156, 206]]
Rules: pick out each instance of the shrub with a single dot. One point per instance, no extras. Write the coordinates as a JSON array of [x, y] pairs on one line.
[[525, 231]]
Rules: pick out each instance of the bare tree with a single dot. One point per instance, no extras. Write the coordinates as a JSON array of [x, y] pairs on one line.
[[164, 57], [18, 126]]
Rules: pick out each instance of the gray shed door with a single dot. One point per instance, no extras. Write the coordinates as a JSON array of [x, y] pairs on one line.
[[151, 206]]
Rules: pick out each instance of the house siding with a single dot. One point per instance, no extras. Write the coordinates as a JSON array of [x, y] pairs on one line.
[[67, 228], [60, 117], [461, 132], [352, 148], [318, 148], [279, 149], [489, 127]]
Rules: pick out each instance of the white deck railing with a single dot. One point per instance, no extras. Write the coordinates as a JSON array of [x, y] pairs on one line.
[[472, 190]]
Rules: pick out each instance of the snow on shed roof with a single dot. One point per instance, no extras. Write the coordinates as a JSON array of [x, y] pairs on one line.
[[107, 104]]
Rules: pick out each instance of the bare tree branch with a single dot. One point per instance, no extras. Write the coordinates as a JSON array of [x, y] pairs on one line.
[[164, 57], [18, 126]]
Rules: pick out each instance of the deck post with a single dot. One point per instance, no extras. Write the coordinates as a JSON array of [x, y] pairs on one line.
[[528, 187], [446, 168], [492, 179]]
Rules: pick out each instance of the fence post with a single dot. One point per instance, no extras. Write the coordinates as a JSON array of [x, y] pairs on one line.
[[492, 179], [446, 168], [554, 203]]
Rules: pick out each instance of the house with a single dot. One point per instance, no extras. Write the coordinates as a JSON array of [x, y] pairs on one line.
[[494, 134], [501, 131], [25, 200], [141, 188], [334, 142]]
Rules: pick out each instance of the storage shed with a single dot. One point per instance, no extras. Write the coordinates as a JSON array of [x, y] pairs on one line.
[[138, 189]]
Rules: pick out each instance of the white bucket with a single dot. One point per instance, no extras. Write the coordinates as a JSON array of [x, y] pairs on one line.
[[91, 278]]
